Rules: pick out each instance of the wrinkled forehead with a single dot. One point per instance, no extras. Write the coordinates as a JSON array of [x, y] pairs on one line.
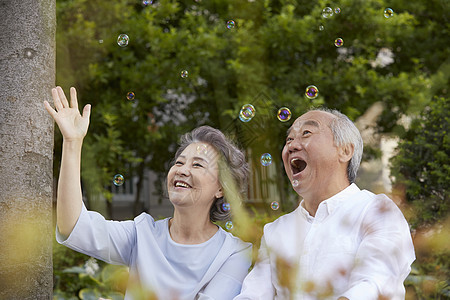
[[315, 118], [200, 150]]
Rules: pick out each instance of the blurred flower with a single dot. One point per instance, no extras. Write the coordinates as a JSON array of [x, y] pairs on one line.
[[91, 266], [384, 57]]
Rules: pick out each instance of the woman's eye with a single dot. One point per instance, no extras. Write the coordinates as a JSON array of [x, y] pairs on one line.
[[306, 132], [289, 139], [178, 163]]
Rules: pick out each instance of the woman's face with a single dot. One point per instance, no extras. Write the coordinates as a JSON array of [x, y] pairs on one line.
[[194, 178]]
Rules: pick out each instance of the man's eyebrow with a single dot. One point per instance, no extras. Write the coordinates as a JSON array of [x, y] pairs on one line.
[[308, 122], [312, 123]]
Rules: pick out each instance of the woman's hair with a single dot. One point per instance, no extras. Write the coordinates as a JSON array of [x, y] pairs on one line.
[[231, 155], [345, 132]]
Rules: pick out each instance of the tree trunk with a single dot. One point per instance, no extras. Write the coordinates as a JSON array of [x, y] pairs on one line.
[[27, 64], [137, 207]]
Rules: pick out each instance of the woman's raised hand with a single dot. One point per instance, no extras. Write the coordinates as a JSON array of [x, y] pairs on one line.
[[71, 123]]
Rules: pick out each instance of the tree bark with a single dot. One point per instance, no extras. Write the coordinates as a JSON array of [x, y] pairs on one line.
[[27, 64]]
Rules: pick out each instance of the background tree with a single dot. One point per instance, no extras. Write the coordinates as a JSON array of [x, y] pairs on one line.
[[272, 53], [422, 166], [27, 61]]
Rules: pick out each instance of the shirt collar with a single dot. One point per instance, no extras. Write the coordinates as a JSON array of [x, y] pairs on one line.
[[331, 204]]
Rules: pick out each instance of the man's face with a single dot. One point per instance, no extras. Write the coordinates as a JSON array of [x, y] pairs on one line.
[[310, 157]]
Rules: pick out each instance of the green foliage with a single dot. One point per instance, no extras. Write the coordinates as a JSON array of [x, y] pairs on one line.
[[429, 279], [273, 53], [422, 165], [77, 276]]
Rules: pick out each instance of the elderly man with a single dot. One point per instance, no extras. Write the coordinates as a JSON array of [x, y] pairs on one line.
[[341, 242]]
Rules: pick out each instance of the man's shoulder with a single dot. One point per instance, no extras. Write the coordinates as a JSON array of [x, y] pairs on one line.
[[285, 221]]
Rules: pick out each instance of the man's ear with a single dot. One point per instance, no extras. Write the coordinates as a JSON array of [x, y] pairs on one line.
[[346, 152]]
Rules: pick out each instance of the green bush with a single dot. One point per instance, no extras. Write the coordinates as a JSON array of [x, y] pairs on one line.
[[422, 166], [78, 276]]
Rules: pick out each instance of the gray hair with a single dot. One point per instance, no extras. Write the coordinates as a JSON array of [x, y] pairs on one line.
[[344, 133], [232, 156]]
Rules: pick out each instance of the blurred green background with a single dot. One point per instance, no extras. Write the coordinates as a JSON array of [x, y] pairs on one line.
[[397, 65]]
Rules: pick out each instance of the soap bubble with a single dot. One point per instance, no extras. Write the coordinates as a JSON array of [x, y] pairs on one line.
[[184, 74], [338, 42], [130, 96], [118, 180], [226, 206], [202, 149], [327, 12], [229, 225], [321, 27], [231, 24], [247, 113], [312, 92], [147, 2], [294, 182], [284, 114], [274, 205], [337, 10], [388, 12], [266, 159], [123, 40]]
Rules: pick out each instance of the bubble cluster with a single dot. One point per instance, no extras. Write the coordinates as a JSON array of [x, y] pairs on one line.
[[118, 180], [231, 24], [388, 12], [284, 114], [266, 159], [294, 183], [226, 206], [312, 92], [130, 96], [337, 10], [338, 42], [184, 74], [229, 225], [247, 112], [327, 12], [123, 40], [202, 149], [274, 205], [147, 2]]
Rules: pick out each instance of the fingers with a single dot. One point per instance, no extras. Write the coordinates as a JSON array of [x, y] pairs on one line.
[[62, 97], [50, 109], [73, 98], [86, 111], [56, 99]]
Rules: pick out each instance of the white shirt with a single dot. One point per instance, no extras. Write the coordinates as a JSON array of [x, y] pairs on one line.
[[358, 246], [214, 269]]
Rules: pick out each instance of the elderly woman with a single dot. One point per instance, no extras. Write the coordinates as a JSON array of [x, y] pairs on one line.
[[183, 257]]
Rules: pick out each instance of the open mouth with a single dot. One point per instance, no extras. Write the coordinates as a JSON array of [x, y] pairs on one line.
[[297, 165], [182, 184]]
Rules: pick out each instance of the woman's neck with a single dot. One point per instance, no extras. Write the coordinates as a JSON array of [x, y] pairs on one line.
[[191, 228]]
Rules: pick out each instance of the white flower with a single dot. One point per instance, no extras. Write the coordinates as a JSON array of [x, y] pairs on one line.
[[345, 54], [384, 57], [91, 266]]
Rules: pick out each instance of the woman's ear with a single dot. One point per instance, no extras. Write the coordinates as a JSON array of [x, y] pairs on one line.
[[219, 193], [346, 152]]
